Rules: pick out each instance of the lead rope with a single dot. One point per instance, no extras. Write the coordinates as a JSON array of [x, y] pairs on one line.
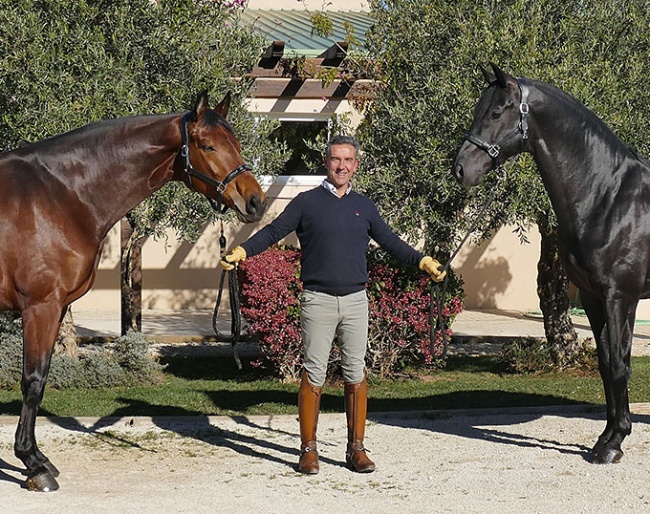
[[235, 313], [439, 289]]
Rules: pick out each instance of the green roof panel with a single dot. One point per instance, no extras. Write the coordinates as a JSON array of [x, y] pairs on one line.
[[294, 27]]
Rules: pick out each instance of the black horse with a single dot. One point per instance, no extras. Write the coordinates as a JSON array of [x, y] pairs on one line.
[[600, 190]]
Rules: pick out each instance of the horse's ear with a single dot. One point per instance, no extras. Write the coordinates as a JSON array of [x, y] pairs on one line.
[[489, 77], [499, 75], [224, 105], [200, 105]]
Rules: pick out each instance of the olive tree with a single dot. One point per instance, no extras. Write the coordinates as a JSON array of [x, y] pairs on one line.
[[66, 63], [428, 55]]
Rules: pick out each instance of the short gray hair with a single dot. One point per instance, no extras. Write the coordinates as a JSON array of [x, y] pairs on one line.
[[342, 140]]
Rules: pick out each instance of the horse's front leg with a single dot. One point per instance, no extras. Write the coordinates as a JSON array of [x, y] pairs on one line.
[[595, 310], [41, 325], [614, 352]]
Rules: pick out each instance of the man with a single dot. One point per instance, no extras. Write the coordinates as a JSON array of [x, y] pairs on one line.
[[334, 225]]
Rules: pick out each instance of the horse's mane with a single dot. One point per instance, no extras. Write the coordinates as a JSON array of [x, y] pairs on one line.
[[210, 117], [101, 128], [569, 103]]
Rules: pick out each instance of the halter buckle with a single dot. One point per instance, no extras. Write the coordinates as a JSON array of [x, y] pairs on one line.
[[493, 151]]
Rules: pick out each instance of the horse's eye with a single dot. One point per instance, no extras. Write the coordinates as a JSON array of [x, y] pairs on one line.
[[208, 148], [496, 115]]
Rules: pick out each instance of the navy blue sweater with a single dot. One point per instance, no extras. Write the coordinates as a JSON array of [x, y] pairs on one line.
[[334, 234]]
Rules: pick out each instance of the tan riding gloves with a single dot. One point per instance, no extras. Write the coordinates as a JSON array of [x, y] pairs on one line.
[[432, 267], [231, 259], [427, 264]]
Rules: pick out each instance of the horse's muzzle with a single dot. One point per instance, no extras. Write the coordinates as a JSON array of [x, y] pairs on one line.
[[255, 208]]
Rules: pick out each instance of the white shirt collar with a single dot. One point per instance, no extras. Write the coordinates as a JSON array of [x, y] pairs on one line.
[[332, 189]]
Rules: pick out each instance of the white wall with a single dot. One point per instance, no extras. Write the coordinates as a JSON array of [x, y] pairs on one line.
[[321, 108]]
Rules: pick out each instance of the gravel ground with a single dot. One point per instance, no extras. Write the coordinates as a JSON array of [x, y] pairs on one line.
[[523, 461]]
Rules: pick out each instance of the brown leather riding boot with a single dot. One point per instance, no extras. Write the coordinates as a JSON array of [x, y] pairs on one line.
[[356, 407], [308, 407]]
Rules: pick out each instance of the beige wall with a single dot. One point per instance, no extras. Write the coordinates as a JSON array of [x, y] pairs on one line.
[[179, 275], [498, 274], [501, 273]]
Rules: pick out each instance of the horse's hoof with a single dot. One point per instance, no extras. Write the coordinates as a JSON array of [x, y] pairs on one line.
[[606, 455], [43, 482], [51, 468]]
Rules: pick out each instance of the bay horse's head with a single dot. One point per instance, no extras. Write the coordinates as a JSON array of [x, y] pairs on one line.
[[499, 129], [211, 161]]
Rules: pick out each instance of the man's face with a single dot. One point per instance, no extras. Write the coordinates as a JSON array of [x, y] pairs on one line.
[[341, 165]]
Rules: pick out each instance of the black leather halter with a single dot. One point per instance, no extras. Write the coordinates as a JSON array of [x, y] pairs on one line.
[[494, 149], [219, 185]]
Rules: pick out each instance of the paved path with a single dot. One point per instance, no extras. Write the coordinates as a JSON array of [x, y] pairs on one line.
[[488, 462], [473, 328]]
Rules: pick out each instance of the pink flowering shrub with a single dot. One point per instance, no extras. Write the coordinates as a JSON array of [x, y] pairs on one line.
[[270, 302], [399, 302]]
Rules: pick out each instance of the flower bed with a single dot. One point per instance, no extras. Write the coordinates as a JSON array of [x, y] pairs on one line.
[[399, 302]]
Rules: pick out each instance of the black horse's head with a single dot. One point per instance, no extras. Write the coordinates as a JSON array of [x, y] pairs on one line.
[[499, 129]]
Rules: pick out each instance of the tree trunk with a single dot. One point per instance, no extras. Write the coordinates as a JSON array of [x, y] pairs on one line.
[[66, 342], [552, 289], [130, 278]]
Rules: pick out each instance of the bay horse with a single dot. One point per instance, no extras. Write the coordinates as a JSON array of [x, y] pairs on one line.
[[60, 198], [600, 191]]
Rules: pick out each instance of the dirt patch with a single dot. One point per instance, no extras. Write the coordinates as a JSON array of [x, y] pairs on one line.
[[534, 460]]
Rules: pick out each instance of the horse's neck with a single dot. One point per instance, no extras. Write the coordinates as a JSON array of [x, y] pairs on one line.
[[122, 163], [576, 155]]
